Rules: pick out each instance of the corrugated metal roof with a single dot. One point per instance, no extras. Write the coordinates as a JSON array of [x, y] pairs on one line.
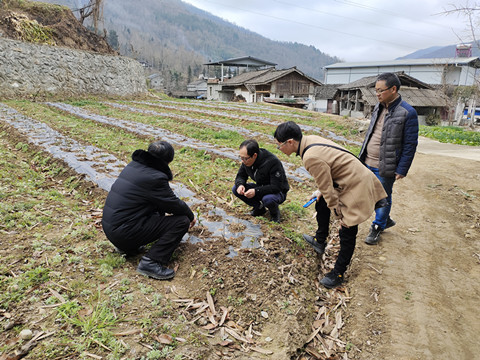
[[245, 77], [414, 96], [424, 97], [326, 91], [369, 81], [277, 74], [262, 77], [198, 82], [472, 61], [271, 76], [243, 61]]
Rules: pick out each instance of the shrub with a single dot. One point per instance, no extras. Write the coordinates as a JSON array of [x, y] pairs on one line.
[[432, 120]]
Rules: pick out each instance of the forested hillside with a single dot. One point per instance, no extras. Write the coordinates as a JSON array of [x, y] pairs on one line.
[[176, 39]]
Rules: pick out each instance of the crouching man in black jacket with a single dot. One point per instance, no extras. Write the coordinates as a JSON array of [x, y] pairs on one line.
[[134, 212], [271, 184]]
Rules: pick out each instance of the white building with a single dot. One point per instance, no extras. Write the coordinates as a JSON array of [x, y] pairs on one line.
[[451, 71]]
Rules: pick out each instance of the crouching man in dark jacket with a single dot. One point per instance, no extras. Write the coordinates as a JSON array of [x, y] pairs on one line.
[[135, 210], [271, 184]]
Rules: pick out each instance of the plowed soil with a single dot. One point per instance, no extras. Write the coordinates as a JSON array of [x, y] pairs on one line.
[[416, 294]]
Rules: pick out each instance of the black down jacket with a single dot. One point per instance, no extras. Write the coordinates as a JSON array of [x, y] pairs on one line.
[[141, 190], [267, 172], [399, 138]]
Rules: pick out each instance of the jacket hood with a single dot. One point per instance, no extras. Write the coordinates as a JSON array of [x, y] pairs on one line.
[[147, 159]]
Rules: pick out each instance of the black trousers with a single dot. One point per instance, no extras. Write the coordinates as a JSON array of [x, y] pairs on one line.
[[166, 233], [348, 236]]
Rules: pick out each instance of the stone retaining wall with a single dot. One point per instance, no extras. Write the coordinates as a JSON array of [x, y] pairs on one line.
[[31, 69]]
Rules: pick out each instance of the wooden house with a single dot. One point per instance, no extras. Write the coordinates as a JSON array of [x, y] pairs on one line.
[[358, 98], [287, 87], [325, 99]]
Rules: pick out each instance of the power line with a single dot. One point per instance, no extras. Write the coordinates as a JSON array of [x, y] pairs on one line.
[[387, 12], [362, 21], [336, 31]]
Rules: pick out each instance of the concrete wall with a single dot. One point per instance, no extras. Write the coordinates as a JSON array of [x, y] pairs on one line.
[[320, 105], [430, 74], [29, 69]]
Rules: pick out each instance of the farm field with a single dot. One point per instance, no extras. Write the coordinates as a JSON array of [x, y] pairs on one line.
[[246, 288]]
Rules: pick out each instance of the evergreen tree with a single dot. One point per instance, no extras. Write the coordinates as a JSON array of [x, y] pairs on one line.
[[112, 39], [189, 76]]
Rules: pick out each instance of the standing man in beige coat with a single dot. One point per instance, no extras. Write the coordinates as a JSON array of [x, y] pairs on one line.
[[345, 187]]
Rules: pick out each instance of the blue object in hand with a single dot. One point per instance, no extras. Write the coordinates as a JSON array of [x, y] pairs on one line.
[[310, 202]]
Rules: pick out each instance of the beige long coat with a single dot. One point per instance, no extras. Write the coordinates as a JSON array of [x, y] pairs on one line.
[[356, 189]]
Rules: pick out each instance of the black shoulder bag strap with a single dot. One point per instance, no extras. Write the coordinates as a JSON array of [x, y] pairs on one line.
[[332, 146], [380, 203]]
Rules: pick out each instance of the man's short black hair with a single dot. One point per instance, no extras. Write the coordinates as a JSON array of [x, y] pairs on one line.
[[251, 145], [390, 79], [162, 150], [288, 130]]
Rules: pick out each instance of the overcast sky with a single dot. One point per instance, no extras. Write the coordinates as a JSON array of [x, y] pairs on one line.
[[353, 30]]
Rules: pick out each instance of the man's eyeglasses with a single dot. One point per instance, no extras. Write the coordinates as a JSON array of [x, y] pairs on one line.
[[280, 145], [245, 158], [381, 91]]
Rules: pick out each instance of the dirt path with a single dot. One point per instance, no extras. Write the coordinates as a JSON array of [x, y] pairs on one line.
[[416, 294]]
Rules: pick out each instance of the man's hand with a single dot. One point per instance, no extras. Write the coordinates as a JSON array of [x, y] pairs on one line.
[[241, 190], [192, 223], [398, 176], [250, 193], [316, 194]]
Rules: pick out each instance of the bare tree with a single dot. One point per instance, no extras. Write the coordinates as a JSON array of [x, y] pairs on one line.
[[94, 8], [472, 14]]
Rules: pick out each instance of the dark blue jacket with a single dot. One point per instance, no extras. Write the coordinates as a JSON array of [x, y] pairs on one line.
[[399, 138]]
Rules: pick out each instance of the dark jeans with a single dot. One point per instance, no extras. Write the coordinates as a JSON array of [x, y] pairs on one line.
[[269, 200], [382, 214], [167, 233], [348, 236]]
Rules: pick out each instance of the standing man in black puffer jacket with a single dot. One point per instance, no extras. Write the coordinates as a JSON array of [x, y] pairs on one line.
[[389, 145], [135, 210], [271, 184]]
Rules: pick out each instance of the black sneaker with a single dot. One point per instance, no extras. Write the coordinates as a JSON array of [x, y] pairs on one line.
[[154, 269], [319, 247], [374, 235], [332, 279], [258, 211], [390, 223]]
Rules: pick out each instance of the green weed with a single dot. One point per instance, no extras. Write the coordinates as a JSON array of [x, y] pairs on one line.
[[112, 260], [14, 289], [94, 327], [157, 298], [451, 134]]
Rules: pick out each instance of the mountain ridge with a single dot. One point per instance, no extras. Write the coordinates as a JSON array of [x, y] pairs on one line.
[[435, 52], [176, 39]]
